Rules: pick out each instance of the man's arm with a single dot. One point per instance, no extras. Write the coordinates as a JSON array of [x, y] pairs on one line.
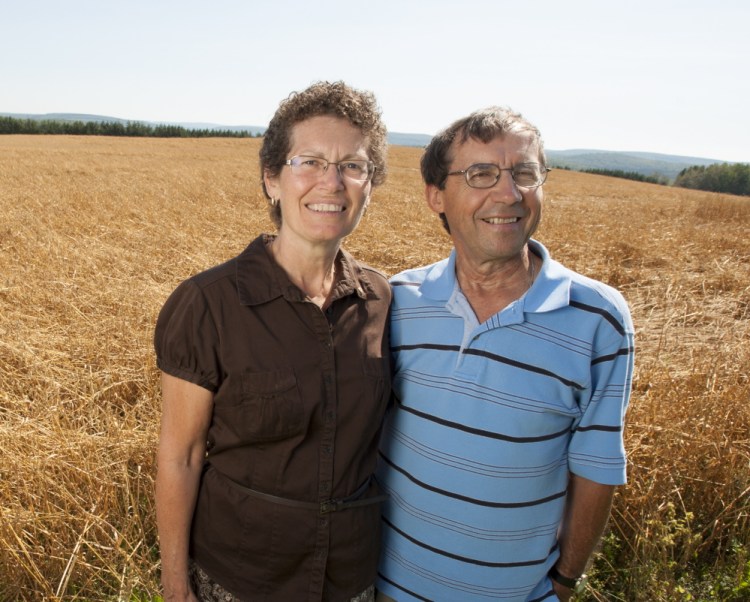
[[587, 510], [186, 416]]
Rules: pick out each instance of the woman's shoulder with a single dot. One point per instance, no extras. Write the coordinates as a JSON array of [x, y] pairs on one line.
[[368, 276]]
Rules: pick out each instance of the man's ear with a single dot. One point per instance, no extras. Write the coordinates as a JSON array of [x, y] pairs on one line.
[[434, 197]]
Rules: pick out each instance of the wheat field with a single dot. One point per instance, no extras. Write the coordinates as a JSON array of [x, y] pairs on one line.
[[96, 232]]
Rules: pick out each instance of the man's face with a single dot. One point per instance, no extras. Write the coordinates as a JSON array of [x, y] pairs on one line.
[[490, 225]]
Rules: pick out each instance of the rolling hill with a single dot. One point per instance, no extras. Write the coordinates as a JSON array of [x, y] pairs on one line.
[[645, 163]]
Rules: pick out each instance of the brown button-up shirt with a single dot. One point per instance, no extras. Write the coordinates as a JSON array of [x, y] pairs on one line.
[[299, 395]]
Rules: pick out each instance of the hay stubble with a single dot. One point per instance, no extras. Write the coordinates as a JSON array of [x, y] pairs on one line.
[[97, 231]]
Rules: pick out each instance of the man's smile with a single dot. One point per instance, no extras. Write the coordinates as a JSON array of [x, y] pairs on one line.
[[501, 220]]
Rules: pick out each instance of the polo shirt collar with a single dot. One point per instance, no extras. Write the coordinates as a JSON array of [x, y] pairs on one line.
[[260, 279], [440, 279], [551, 288], [550, 291]]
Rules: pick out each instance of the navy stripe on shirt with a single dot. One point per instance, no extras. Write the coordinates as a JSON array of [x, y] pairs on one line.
[[596, 310], [506, 565], [480, 432], [478, 502], [491, 356]]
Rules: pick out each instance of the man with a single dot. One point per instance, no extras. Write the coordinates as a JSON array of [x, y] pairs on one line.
[[512, 376]]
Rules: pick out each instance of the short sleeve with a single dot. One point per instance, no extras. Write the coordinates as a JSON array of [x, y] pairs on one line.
[[597, 450], [185, 338]]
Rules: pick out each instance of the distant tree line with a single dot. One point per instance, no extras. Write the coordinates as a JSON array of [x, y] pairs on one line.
[[732, 178], [729, 178], [12, 125], [628, 175]]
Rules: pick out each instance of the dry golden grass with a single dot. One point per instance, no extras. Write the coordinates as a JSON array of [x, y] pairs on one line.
[[97, 231]]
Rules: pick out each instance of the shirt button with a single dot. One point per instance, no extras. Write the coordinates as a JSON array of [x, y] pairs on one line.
[[325, 487]]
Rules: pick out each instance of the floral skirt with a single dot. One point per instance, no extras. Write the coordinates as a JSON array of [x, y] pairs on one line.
[[207, 590]]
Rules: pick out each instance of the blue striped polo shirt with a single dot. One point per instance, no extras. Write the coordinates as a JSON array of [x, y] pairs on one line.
[[488, 420]]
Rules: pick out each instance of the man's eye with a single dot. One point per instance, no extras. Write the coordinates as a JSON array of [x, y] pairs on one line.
[[481, 174]]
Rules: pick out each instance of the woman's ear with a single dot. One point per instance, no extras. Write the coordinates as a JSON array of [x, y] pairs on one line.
[[272, 184]]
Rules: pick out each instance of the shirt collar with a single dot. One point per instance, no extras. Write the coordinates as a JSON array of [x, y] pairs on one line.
[[260, 279], [551, 287]]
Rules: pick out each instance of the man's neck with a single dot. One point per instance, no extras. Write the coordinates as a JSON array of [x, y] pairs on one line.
[[490, 288]]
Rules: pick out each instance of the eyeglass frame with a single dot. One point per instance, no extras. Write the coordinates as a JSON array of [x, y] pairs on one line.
[[371, 167], [543, 169]]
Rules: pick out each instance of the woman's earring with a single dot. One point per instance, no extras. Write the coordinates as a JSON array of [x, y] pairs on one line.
[[274, 202]]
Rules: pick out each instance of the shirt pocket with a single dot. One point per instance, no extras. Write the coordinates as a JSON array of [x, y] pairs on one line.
[[272, 404]]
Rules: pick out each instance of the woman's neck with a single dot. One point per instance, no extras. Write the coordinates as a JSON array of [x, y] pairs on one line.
[[311, 268]]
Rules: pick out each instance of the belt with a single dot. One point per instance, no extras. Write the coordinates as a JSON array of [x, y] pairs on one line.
[[324, 507]]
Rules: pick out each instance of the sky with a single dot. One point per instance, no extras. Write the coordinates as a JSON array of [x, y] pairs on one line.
[[663, 76]]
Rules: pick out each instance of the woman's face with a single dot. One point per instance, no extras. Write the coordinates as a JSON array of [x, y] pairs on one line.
[[321, 209]]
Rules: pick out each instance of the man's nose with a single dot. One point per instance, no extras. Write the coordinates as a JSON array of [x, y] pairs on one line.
[[505, 189]]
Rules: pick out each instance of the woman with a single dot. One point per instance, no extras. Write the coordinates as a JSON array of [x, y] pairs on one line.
[[275, 379]]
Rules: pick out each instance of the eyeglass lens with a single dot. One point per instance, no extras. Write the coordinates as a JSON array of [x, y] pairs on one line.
[[486, 175], [354, 169]]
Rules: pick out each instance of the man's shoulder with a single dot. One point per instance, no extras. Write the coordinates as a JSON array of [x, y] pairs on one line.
[[599, 296], [415, 276], [410, 276], [595, 290], [408, 286]]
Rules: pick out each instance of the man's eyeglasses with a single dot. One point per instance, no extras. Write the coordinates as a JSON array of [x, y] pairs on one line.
[[486, 175], [359, 170]]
